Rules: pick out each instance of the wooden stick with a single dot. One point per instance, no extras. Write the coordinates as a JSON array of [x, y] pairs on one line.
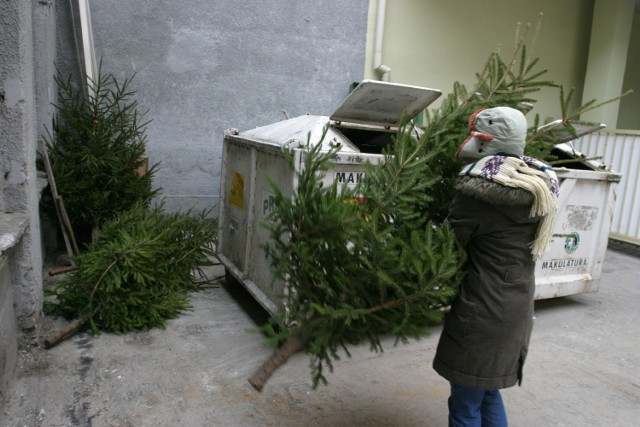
[[65, 225], [277, 359], [61, 270], [64, 333]]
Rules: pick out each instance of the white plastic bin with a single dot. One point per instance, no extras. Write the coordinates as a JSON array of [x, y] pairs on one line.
[[585, 209], [361, 127]]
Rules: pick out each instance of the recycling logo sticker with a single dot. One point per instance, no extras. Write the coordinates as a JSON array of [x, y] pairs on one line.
[[572, 242]]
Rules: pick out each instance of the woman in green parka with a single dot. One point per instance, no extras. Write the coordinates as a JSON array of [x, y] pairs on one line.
[[502, 214]]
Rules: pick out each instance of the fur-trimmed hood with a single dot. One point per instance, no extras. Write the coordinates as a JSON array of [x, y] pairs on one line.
[[513, 172], [492, 192], [514, 202]]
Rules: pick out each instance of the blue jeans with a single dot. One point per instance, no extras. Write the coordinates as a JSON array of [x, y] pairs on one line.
[[471, 407]]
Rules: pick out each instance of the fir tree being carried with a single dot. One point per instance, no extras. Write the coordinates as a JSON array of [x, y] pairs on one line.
[[387, 265]]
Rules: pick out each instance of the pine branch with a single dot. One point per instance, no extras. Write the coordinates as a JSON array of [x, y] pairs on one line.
[[387, 264], [139, 271]]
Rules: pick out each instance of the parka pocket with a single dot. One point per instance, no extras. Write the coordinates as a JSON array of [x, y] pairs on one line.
[[461, 318], [514, 274]]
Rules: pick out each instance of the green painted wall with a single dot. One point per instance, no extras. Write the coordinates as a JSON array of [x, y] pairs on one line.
[[610, 35], [434, 43], [629, 115]]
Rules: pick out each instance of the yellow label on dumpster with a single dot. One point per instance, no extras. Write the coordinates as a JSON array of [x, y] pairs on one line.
[[236, 196]]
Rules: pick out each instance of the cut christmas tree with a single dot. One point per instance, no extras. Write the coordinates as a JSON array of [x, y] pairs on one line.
[[380, 260]]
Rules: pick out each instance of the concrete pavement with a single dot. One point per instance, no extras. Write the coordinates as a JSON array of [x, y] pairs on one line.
[[583, 370]]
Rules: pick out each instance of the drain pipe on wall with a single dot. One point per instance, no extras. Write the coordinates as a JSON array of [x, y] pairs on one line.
[[383, 70], [86, 34], [87, 41]]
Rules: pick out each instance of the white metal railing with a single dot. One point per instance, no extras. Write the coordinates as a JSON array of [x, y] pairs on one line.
[[619, 150]]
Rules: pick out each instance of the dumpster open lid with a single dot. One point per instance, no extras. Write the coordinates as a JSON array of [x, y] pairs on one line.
[[561, 132], [383, 103]]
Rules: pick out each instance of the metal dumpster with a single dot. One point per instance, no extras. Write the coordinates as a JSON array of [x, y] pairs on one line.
[[361, 127], [574, 261]]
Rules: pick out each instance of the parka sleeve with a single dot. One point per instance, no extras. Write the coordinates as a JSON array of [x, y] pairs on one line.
[[463, 218]]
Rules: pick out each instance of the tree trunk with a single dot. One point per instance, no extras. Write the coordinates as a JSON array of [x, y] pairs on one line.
[[65, 332], [277, 359]]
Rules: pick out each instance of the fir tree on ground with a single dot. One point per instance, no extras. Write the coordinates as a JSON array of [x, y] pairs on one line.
[[139, 272], [140, 263]]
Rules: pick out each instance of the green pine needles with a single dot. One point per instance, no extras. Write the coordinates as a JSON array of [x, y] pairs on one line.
[[96, 147], [359, 264], [139, 272], [381, 260]]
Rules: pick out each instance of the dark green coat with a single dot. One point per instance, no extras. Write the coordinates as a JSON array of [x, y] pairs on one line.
[[486, 334]]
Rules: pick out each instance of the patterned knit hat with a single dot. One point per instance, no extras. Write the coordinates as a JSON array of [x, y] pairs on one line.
[[498, 130]]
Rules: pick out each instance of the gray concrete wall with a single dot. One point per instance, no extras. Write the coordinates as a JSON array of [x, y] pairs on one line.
[[8, 333], [203, 66], [68, 38], [27, 48], [19, 131], [12, 228]]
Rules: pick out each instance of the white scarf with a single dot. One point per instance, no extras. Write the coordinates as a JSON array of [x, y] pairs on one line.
[[526, 173]]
